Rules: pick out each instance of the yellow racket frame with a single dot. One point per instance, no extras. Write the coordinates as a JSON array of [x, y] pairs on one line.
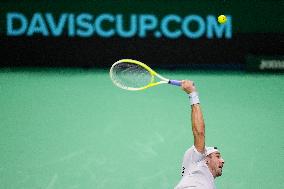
[[152, 73]]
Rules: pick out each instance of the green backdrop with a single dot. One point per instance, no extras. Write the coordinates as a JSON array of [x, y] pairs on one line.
[[249, 16], [68, 129]]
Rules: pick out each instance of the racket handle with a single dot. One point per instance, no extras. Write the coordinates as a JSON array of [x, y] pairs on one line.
[[175, 82]]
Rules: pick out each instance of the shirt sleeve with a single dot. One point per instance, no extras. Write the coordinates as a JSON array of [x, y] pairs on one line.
[[191, 156]]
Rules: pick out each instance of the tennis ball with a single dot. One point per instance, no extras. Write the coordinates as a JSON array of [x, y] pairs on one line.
[[222, 19]]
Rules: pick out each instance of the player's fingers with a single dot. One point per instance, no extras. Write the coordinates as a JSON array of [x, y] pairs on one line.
[[187, 83], [187, 86]]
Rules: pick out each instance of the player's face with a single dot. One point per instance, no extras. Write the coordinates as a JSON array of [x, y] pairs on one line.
[[215, 164]]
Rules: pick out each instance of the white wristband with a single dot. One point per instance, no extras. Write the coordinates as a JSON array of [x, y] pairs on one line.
[[193, 98]]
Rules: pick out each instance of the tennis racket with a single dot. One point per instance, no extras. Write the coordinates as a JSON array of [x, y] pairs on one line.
[[133, 75]]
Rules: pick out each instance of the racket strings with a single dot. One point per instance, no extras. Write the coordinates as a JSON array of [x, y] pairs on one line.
[[128, 75]]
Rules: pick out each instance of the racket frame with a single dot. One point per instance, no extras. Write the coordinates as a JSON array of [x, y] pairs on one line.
[[152, 73]]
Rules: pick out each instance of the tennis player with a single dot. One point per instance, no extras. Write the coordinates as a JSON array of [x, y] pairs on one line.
[[201, 164]]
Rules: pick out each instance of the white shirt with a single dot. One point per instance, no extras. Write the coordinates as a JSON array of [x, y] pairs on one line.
[[195, 172]]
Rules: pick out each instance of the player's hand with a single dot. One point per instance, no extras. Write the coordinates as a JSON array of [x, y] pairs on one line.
[[188, 86]]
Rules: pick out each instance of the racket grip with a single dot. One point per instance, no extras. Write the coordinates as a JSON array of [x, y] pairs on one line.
[[175, 82]]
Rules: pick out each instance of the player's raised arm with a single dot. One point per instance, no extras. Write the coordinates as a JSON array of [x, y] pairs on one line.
[[198, 126]]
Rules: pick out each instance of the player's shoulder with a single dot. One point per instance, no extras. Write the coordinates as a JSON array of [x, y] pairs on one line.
[[192, 151]]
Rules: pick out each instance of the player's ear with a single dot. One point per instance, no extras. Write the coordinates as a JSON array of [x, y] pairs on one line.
[[206, 160]]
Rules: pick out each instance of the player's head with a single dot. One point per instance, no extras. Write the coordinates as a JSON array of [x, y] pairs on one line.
[[214, 161]]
